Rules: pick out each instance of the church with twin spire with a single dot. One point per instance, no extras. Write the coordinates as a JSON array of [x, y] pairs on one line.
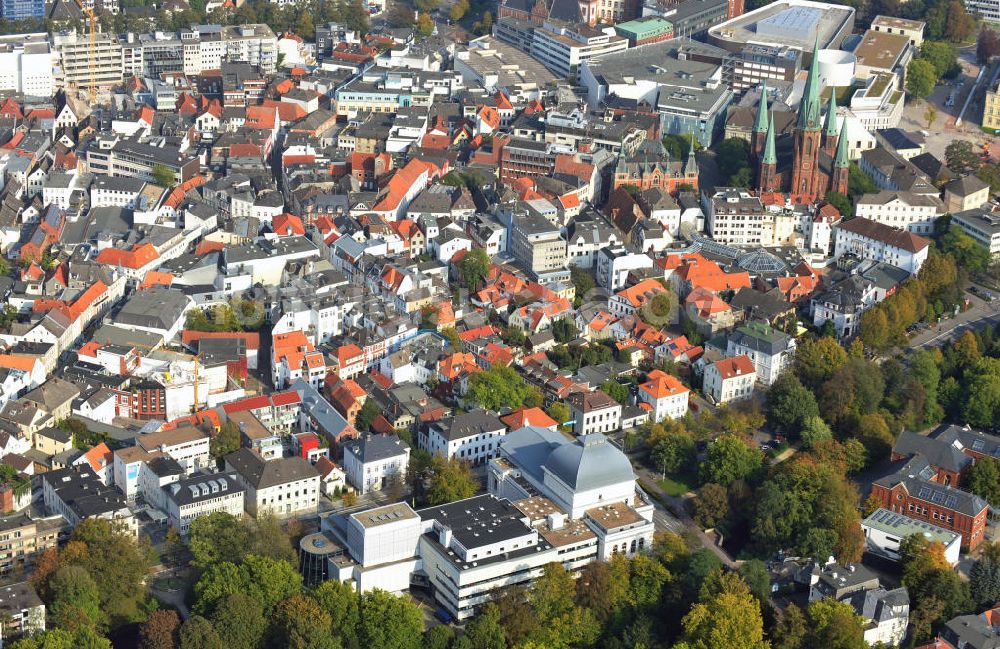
[[810, 161]]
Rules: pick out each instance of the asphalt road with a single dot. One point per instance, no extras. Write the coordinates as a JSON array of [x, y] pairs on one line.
[[980, 315]]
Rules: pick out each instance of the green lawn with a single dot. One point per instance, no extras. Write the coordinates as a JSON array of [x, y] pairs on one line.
[[676, 485]]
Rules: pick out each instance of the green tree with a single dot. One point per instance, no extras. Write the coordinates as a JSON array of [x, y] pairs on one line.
[[730, 458], [962, 157], [458, 10], [343, 604], [943, 56], [834, 625], [841, 202], [564, 330], [239, 621], [582, 280], [438, 637], [858, 182], [730, 619], [473, 268], [160, 630], [984, 479], [389, 622], [816, 360], [225, 441], [559, 411], [306, 27], [426, 6], [984, 583], [981, 383], [483, 632], [987, 44], [731, 156], [813, 430], [267, 580], [369, 411], [710, 505], [929, 578], [562, 623], [757, 578], [451, 480], [197, 633], [76, 600], [673, 451], [300, 622], [791, 629], [874, 329], [163, 176], [968, 254], [789, 404], [616, 391], [498, 386], [920, 78], [216, 538]]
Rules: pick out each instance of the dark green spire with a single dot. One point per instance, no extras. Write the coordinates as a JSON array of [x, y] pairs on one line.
[[831, 114], [761, 124], [841, 160], [769, 156], [809, 109]]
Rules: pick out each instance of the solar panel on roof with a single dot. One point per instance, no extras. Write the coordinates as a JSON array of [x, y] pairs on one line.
[[938, 497], [952, 501], [978, 445], [924, 493]]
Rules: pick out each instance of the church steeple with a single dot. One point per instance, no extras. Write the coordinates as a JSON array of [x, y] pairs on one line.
[[760, 124], [767, 179], [769, 155], [809, 109], [841, 164], [692, 163], [830, 131]]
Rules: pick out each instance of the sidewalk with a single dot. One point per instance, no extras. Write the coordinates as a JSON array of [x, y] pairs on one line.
[[677, 507]]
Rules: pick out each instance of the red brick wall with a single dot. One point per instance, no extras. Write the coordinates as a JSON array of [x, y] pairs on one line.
[[898, 500]]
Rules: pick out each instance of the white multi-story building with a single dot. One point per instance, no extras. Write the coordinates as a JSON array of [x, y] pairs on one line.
[[370, 461], [283, 487], [982, 226], [665, 396], [563, 48], [737, 217], [202, 495], [207, 47], [867, 239], [75, 56], [614, 265], [109, 191], [879, 105], [730, 379], [885, 530], [471, 437], [185, 444], [906, 210], [76, 493], [594, 412], [26, 65], [771, 351], [844, 304]]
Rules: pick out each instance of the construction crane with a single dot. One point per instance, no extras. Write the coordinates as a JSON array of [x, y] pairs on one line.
[[92, 27]]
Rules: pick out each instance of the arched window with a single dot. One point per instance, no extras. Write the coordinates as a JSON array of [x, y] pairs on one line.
[[808, 146]]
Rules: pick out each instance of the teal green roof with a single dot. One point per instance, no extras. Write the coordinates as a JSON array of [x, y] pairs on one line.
[[810, 108], [842, 160], [643, 28], [831, 114], [761, 125], [769, 156]]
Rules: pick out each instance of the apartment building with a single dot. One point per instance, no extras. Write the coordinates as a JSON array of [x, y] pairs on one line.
[[76, 494], [23, 538], [730, 379], [207, 47], [879, 104], [185, 444], [471, 437], [74, 57], [594, 412], [131, 159], [771, 351], [201, 495], [283, 487], [22, 610], [748, 67], [664, 396], [867, 239], [537, 244], [737, 217], [150, 55], [905, 210], [370, 461]]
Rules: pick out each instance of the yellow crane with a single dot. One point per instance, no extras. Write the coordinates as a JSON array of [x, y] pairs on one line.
[[92, 27]]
